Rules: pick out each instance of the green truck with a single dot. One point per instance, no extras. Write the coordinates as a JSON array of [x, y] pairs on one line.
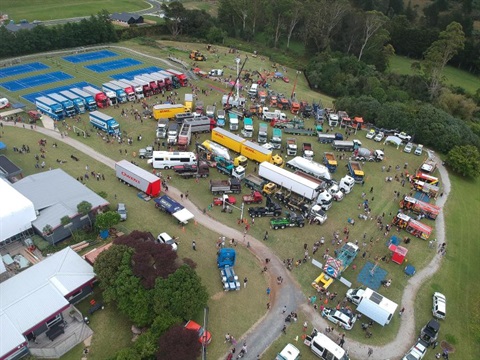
[[291, 220]]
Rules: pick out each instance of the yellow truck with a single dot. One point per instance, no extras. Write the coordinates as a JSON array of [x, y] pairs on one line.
[[189, 102], [168, 110], [258, 153], [228, 139]]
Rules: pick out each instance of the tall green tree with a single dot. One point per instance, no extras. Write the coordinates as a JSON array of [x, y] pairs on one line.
[[465, 160], [174, 17], [374, 22], [449, 43]]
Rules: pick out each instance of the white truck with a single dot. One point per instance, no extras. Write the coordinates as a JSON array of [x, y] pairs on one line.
[[297, 184], [336, 193], [291, 146], [270, 115], [318, 214], [262, 133], [310, 167], [162, 128], [372, 305], [324, 198], [346, 184]]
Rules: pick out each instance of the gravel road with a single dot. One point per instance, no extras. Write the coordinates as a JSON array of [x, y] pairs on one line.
[[267, 329]]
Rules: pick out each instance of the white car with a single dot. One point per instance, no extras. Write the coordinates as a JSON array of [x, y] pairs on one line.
[[344, 318], [417, 352], [379, 137], [371, 134], [268, 146], [122, 211], [419, 150], [164, 238], [403, 136], [408, 148], [439, 308]]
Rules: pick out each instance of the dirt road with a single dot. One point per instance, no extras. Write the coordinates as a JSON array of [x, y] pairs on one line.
[[268, 328]]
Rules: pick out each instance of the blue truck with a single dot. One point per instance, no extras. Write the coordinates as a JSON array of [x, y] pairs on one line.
[[49, 107], [225, 262], [67, 104], [166, 204], [88, 99], [78, 103], [118, 90], [104, 122]]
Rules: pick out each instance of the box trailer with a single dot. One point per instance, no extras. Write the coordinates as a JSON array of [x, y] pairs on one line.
[[255, 152], [343, 145], [119, 91], [303, 187], [228, 139], [104, 122], [67, 104], [375, 306], [49, 107], [138, 87], [126, 87], [181, 77], [200, 124], [88, 99], [170, 80], [137, 177], [168, 110], [100, 97], [78, 102]]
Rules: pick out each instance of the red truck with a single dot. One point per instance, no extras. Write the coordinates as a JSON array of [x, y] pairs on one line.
[[181, 77], [253, 198], [229, 199], [138, 177], [127, 88], [100, 98]]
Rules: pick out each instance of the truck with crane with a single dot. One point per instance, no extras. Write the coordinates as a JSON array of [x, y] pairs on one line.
[[67, 104], [227, 167], [270, 115], [77, 101], [100, 98], [49, 107], [310, 167], [88, 99], [355, 170], [137, 177], [330, 161]]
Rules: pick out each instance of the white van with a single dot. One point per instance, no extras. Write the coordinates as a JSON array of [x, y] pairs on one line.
[[439, 307], [253, 90]]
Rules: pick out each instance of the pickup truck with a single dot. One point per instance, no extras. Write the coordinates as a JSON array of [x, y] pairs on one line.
[[254, 198], [232, 185], [292, 220]]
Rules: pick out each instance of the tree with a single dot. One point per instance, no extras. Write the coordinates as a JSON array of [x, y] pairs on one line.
[[374, 21], [84, 209], [450, 42], [179, 343], [106, 220], [47, 230], [174, 17], [465, 160], [182, 293]]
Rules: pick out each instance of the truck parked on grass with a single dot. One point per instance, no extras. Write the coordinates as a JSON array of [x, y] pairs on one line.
[[184, 137], [189, 171], [364, 154], [270, 209], [349, 146], [330, 161], [307, 151], [318, 215], [50, 107], [129, 90], [372, 305], [225, 262], [232, 119], [216, 149], [258, 184], [270, 115], [88, 99], [146, 153], [167, 204], [232, 185], [168, 111], [291, 220], [104, 122], [254, 198], [276, 139], [111, 96], [228, 139], [346, 184], [355, 170], [247, 130], [262, 133], [137, 88], [78, 103], [142, 88], [228, 167], [420, 207], [200, 124], [137, 177], [147, 84], [181, 77], [67, 104], [162, 128], [259, 154], [328, 138], [153, 83], [171, 80], [291, 146], [324, 198], [172, 134], [119, 91], [100, 98], [310, 167]]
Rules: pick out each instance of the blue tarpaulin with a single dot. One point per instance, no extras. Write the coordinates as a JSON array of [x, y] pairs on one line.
[[2, 146]]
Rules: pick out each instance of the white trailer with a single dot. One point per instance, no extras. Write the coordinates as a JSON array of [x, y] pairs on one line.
[[373, 305], [310, 167], [301, 186]]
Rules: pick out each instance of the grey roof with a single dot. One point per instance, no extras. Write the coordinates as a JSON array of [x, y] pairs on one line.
[[125, 17], [8, 168], [33, 295], [17, 27], [55, 194]]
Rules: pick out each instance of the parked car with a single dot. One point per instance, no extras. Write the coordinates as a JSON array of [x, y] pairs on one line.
[[439, 308], [344, 318], [379, 137], [429, 332], [203, 336], [408, 148], [417, 352], [419, 150], [122, 211], [164, 238], [403, 136], [371, 134]]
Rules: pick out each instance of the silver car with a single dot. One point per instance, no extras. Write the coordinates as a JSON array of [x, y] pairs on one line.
[[343, 317], [122, 211], [408, 148]]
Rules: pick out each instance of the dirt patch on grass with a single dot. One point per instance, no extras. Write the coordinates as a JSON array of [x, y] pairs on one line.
[[218, 295]]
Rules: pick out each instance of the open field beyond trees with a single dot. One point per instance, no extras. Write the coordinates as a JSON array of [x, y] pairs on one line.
[[236, 312]]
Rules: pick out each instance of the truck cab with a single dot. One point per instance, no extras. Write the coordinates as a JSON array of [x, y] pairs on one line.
[[172, 134], [355, 295], [346, 184], [276, 139], [247, 127], [262, 133], [162, 127], [318, 215]]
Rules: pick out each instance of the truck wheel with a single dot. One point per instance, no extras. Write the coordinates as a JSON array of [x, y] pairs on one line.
[[283, 226], [275, 227], [301, 225]]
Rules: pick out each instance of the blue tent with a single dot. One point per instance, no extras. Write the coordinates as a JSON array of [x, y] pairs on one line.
[[2, 146]]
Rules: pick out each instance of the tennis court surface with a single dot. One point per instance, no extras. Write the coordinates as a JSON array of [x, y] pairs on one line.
[[33, 81], [31, 97], [21, 69], [131, 74], [113, 65], [97, 55]]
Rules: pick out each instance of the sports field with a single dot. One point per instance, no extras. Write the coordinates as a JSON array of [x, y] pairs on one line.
[[34, 81], [21, 69]]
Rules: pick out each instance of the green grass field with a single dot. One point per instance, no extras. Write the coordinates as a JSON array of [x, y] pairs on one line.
[[453, 76], [289, 242], [58, 9]]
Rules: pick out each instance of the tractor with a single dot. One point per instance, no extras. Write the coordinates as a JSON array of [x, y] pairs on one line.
[[197, 56]]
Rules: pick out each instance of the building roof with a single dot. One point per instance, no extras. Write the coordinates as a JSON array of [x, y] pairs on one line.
[[55, 194], [8, 168], [92, 255], [16, 27], [16, 211], [34, 295], [125, 17]]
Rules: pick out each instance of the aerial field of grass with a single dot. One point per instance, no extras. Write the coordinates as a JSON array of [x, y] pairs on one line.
[[456, 272], [62, 9]]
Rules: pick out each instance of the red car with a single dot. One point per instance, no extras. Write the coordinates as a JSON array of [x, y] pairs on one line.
[[286, 79], [203, 336]]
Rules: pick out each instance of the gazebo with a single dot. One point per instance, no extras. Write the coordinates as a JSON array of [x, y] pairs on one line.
[[399, 253]]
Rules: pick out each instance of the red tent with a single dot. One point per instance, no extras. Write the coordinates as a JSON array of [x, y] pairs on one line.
[[399, 253]]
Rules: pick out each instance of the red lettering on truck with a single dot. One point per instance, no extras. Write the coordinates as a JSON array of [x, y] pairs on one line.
[[130, 177]]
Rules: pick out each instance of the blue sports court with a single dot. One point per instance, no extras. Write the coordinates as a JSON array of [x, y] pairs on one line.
[[97, 55], [131, 74], [33, 81], [21, 69], [113, 65], [32, 96]]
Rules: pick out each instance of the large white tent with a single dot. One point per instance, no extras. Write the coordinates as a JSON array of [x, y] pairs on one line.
[[16, 212]]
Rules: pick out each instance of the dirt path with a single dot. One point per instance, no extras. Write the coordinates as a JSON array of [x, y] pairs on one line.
[[268, 328]]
